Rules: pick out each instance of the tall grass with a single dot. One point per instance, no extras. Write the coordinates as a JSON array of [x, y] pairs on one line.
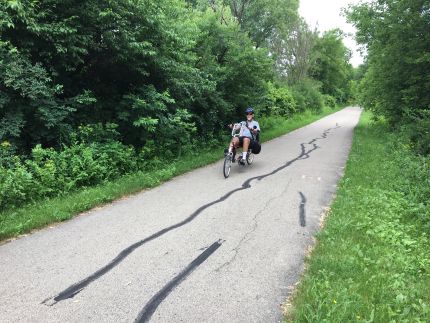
[[372, 259]]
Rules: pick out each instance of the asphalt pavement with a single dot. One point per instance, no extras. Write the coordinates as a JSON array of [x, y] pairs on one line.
[[199, 248]]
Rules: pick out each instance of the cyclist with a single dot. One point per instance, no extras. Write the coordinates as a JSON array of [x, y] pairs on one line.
[[248, 136]]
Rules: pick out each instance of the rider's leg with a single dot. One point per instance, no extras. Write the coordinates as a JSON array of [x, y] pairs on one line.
[[233, 144], [246, 142]]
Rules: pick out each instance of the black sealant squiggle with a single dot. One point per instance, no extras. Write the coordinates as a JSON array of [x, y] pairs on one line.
[[74, 289], [302, 211], [150, 307]]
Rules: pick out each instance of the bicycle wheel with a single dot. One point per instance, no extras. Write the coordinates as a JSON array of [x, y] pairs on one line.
[[227, 166], [249, 158]]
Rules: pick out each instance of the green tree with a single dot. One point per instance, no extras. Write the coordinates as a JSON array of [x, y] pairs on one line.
[[229, 59], [134, 64], [265, 20], [330, 65], [81, 62], [395, 34], [292, 52]]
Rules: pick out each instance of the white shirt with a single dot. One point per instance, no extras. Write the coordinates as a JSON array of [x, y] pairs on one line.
[[245, 132]]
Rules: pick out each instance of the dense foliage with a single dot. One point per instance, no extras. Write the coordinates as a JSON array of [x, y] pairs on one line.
[[396, 84], [154, 68], [93, 90]]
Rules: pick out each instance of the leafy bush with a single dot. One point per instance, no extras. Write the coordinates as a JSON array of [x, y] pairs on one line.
[[93, 155], [175, 134], [278, 101], [329, 101], [49, 172], [420, 136], [269, 122], [7, 155], [97, 132], [307, 95], [16, 185]]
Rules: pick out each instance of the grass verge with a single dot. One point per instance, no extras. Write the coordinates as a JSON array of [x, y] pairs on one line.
[[371, 262], [36, 215]]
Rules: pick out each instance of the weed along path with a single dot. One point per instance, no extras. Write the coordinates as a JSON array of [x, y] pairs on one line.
[[198, 248]]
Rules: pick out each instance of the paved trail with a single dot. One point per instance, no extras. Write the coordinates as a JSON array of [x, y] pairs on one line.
[[198, 248]]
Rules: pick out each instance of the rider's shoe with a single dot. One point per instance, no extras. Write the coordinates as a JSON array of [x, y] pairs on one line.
[[241, 161], [225, 152]]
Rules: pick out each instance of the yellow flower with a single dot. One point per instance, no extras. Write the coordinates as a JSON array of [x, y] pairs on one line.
[[334, 301]]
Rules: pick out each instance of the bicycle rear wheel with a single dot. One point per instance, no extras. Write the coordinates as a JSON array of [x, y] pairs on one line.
[[227, 166]]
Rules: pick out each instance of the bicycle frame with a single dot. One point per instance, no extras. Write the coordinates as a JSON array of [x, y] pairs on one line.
[[237, 127]]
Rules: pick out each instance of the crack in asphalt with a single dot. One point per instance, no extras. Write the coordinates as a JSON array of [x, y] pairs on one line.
[[254, 227], [76, 288], [150, 307], [302, 210], [324, 134]]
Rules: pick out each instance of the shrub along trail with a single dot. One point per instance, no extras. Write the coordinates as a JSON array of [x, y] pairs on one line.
[[372, 260], [198, 248]]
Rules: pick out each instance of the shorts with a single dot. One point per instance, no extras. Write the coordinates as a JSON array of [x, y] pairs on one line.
[[253, 145]]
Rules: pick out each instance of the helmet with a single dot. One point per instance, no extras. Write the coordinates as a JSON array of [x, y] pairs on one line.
[[249, 110]]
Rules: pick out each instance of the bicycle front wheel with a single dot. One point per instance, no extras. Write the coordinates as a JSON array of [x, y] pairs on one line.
[[227, 166], [249, 158]]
